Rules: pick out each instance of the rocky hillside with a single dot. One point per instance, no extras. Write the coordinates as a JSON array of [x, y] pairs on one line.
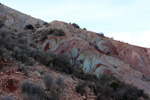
[[16, 20], [99, 55], [58, 60]]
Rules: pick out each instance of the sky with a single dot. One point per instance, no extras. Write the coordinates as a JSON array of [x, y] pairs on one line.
[[124, 20]]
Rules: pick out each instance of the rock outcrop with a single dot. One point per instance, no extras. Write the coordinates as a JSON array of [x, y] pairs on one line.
[[100, 55], [16, 20]]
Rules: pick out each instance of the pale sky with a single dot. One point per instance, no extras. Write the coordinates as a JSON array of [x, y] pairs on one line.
[[124, 20]]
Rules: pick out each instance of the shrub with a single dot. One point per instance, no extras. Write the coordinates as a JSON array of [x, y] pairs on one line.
[[45, 23], [114, 84], [80, 88], [55, 32], [23, 69], [1, 52], [33, 45], [20, 35], [23, 40], [17, 44], [1, 24], [30, 27], [16, 50], [107, 78], [108, 87], [4, 32], [44, 34], [79, 73], [59, 81], [22, 55], [40, 56], [75, 25], [11, 45], [5, 36], [6, 97], [60, 63], [56, 62], [131, 92], [33, 92], [84, 28], [48, 80], [101, 34], [37, 25]]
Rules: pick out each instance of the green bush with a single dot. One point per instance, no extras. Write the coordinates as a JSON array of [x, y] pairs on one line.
[[108, 87], [79, 73], [61, 63], [114, 84], [55, 32], [22, 55], [40, 56], [56, 62]]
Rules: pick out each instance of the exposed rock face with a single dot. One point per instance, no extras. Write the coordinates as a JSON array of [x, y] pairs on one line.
[[100, 55], [16, 20]]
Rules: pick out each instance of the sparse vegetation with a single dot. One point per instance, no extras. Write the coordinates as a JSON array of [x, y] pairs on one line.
[[22, 55], [78, 72], [1, 53], [55, 87], [55, 32], [59, 82], [101, 34], [5, 38], [23, 40], [60, 63], [48, 80], [1, 24], [75, 25], [84, 28], [17, 46], [80, 88], [105, 88], [32, 91], [33, 45], [108, 87], [55, 62]]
